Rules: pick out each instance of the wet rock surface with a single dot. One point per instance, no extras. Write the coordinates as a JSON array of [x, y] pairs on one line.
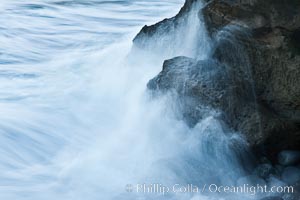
[[271, 51], [251, 79], [286, 180], [203, 84], [289, 157], [257, 50], [291, 175], [164, 33], [265, 171]]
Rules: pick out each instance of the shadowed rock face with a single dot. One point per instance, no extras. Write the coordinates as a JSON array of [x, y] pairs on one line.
[[252, 77], [194, 83], [165, 27], [254, 14], [272, 53], [202, 85]]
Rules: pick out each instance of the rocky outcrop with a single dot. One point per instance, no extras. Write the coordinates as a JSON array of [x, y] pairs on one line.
[[168, 26], [166, 37], [252, 77], [205, 85], [271, 50], [253, 14]]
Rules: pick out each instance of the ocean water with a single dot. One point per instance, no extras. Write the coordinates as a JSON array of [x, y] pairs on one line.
[[77, 121]]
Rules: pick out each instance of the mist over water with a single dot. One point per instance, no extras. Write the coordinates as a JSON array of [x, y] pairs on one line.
[[77, 121]]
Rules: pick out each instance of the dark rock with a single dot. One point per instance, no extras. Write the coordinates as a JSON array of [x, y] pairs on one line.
[[251, 180], [291, 175], [279, 168], [255, 14], [252, 79], [264, 160], [271, 52], [194, 83], [265, 171], [167, 33], [269, 131], [289, 157], [205, 84], [165, 26]]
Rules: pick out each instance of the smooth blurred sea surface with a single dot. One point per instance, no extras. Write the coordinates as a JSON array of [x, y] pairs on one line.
[[58, 88], [37, 31]]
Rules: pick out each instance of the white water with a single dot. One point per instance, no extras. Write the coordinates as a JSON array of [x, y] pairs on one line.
[[76, 119]]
